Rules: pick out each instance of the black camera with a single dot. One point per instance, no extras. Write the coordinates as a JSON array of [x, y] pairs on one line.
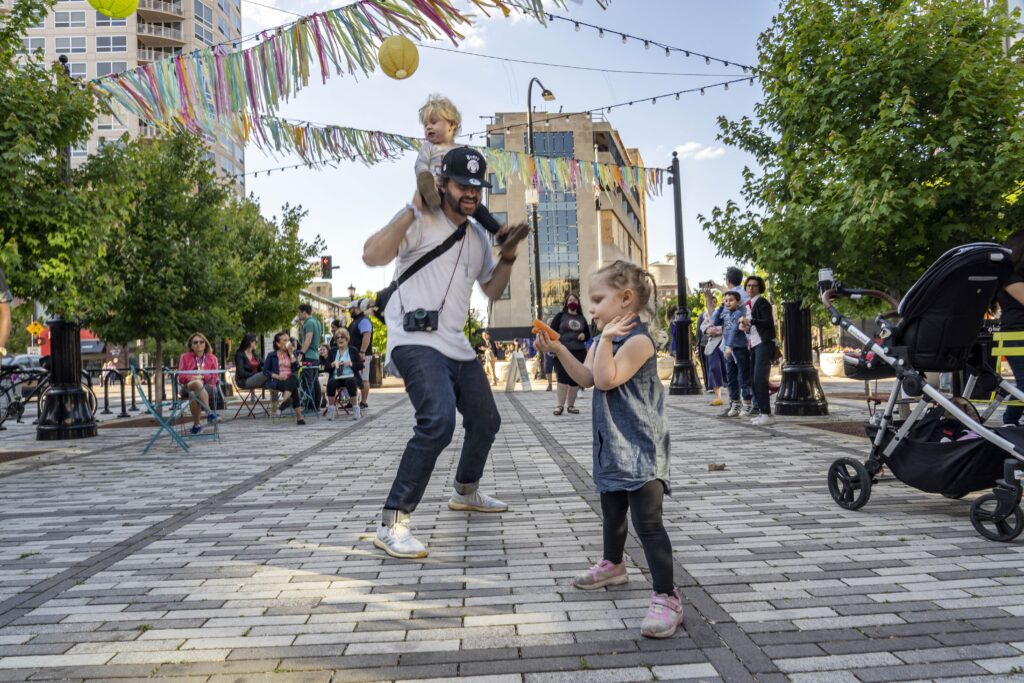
[[705, 285], [420, 320]]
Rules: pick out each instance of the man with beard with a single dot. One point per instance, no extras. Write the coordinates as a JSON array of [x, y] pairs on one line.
[[425, 318]]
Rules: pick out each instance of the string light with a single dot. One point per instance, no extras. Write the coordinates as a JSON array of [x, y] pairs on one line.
[[702, 92], [726, 86], [668, 52], [646, 41], [677, 96]]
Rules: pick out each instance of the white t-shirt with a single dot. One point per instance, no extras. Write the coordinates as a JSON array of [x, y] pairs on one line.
[[470, 260], [752, 336]]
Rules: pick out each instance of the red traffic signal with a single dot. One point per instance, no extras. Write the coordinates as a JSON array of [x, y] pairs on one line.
[[326, 267]]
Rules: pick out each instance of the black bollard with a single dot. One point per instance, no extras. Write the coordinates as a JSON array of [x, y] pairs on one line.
[[684, 375], [106, 393], [124, 411], [65, 413], [801, 392]]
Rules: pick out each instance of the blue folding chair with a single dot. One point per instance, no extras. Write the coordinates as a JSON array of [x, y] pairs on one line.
[[163, 424], [181, 409]]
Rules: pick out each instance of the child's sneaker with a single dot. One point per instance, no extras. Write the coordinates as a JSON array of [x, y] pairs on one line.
[[332, 412], [357, 412], [663, 616], [602, 574], [427, 186]]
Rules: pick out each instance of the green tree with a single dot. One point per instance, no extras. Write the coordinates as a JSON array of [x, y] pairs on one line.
[[53, 223], [172, 267], [275, 262], [890, 131]]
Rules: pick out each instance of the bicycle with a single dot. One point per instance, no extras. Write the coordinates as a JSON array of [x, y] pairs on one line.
[[14, 398]]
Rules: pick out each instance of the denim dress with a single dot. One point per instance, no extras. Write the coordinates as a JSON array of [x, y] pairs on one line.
[[631, 444]]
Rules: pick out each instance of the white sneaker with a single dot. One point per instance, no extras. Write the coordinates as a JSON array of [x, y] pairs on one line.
[[475, 502], [397, 539], [357, 412], [734, 410], [332, 412], [748, 410], [763, 420]]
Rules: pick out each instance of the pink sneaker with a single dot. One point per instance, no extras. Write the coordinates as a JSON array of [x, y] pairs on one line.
[[602, 574], [663, 616]]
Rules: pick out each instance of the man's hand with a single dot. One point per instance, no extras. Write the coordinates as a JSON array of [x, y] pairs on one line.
[[509, 238]]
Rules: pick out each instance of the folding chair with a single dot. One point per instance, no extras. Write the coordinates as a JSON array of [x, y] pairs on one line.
[[251, 400], [185, 426], [163, 424]]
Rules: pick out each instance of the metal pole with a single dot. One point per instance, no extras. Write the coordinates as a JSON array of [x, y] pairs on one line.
[[106, 394], [684, 376], [65, 414], [124, 412], [800, 392], [539, 302]]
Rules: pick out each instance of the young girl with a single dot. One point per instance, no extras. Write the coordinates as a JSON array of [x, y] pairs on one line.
[[631, 444], [441, 121], [342, 387]]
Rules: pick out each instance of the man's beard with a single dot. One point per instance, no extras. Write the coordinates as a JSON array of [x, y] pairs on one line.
[[456, 205]]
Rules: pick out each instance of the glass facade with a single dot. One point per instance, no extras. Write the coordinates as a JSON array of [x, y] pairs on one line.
[[556, 232]]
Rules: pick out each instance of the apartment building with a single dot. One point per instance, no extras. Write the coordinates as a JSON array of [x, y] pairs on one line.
[[97, 45], [578, 232]]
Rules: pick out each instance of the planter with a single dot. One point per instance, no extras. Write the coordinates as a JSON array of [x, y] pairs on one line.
[[665, 366], [831, 363]]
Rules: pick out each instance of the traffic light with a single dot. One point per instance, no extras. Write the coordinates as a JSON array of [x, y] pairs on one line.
[[326, 267]]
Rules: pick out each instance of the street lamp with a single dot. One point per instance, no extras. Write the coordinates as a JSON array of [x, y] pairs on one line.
[[351, 292], [684, 377], [548, 97]]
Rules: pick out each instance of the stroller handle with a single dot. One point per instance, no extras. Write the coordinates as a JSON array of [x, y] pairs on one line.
[[839, 291]]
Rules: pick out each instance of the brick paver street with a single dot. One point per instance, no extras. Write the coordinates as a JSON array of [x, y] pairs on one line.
[[251, 560]]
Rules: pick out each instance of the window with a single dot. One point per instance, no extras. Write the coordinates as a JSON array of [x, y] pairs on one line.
[[111, 43], [81, 149], [204, 34], [71, 45], [204, 22], [103, 20], [495, 187], [69, 20], [236, 21], [107, 68], [223, 4], [41, 24], [78, 69], [31, 45], [496, 140], [222, 26]]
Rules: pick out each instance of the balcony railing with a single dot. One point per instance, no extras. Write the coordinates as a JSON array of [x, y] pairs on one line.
[[148, 54], [171, 8], [157, 31]]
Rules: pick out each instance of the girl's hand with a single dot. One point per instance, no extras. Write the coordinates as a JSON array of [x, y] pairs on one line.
[[545, 345], [620, 326]]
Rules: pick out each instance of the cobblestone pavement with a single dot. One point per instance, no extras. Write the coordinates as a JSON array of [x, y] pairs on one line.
[[251, 560]]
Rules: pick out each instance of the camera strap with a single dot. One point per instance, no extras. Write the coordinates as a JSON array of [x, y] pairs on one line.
[[448, 243]]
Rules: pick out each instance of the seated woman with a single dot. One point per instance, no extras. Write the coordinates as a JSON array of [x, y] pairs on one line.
[[248, 367], [279, 367], [199, 358], [345, 367]]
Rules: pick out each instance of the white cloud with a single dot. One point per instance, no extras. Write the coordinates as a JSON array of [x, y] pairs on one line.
[[698, 152]]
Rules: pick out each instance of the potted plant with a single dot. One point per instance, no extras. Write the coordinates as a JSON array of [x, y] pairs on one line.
[[830, 360]]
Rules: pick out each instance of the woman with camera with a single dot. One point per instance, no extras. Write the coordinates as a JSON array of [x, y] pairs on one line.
[[574, 333]]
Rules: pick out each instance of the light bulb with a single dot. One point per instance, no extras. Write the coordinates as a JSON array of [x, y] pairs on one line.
[[707, 60], [702, 91], [654, 100], [577, 27], [647, 45], [667, 52], [726, 86], [600, 33], [623, 38], [677, 96], [751, 82]]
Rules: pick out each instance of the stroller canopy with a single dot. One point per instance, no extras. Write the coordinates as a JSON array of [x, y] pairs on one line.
[[941, 315]]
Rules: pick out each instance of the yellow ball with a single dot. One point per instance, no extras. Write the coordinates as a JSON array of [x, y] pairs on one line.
[[115, 9], [398, 57]]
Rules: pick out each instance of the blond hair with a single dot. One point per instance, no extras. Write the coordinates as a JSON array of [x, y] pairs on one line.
[[443, 108], [623, 275], [342, 332]]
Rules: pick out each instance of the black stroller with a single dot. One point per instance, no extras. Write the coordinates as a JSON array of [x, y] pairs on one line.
[[943, 446]]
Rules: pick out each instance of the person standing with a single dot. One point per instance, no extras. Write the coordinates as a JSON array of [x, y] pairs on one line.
[[490, 357], [360, 333], [759, 324], [426, 344], [1011, 317], [309, 355], [737, 355], [573, 332], [5, 313]]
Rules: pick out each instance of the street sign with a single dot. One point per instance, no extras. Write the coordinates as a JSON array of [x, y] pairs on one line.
[[35, 328]]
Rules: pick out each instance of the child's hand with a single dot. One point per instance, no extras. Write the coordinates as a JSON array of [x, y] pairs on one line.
[[545, 345], [620, 325]]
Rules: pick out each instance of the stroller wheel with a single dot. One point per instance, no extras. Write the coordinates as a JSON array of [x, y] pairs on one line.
[[849, 483], [993, 523]]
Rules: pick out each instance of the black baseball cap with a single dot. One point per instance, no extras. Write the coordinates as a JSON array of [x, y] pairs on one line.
[[466, 166]]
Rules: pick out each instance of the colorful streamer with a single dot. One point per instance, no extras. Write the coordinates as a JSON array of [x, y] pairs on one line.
[[210, 90], [317, 145]]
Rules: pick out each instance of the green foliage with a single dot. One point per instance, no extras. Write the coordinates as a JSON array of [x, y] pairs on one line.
[[52, 222], [474, 327], [890, 131]]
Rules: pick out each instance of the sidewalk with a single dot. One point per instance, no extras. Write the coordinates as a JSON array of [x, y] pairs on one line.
[[252, 560]]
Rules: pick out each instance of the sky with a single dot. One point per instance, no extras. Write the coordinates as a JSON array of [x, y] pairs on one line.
[[351, 202]]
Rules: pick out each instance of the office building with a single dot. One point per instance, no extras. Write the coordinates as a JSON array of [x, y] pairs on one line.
[[97, 45], [578, 231]]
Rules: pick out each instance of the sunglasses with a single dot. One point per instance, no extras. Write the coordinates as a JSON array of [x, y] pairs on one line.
[[197, 341]]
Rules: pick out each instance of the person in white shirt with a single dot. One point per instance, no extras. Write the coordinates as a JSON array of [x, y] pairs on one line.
[[426, 345]]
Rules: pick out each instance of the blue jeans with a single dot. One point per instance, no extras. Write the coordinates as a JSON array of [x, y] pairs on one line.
[[737, 372], [438, 386], [761, 361], [1013, 413]]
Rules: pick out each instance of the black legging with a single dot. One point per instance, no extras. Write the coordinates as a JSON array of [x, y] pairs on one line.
[[290, 383], [645, 506]]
